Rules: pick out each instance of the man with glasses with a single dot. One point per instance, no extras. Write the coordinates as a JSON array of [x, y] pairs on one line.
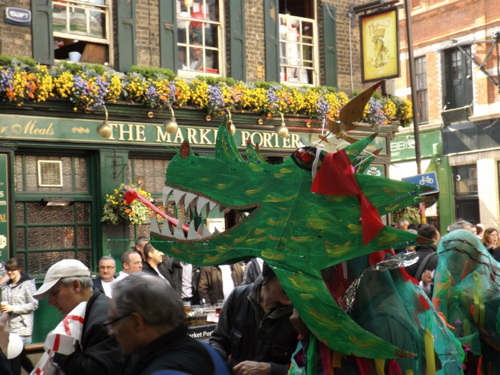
[[147, 319], [107, 269], [69, 288]]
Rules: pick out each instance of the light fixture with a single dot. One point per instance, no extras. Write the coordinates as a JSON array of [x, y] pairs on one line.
[[171, 125], [56, 202], [230, 124], [105, 130], [283, 130]]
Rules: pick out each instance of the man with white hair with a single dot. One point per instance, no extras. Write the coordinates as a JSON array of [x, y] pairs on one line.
[[69, 288], [147, 319]]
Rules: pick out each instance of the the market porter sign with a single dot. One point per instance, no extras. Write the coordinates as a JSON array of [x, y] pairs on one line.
[[70, 130]]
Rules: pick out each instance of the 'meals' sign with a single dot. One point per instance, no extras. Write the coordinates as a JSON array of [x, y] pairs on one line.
[[18, 16]]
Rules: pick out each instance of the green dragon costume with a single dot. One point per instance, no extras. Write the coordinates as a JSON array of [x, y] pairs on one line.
[[311, 217]]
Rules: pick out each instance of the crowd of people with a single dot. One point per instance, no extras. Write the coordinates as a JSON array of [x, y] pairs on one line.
[[135, 323]]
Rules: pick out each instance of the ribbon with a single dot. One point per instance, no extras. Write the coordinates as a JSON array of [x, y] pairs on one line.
[[336, 177]]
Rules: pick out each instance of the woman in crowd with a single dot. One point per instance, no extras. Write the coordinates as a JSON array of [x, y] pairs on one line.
[[19, 303], [490, 239]]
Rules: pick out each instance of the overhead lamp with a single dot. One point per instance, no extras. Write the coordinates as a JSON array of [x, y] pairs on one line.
[[283, 130], [171, 125], [105, 130], [230, 124], [56, 202]]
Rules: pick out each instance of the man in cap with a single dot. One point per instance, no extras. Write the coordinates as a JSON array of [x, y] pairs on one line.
[[254, 333], [68, 285]]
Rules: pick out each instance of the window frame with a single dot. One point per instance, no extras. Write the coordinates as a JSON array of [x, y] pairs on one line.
[[314, 42], [218, 45], [421, 89], [107, 11]]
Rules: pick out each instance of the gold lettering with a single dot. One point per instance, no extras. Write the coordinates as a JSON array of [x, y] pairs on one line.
[[162, 135], [178, 137], [244, 137], [191, 134], [203, 137], [3, 218], [122, 132], [252, 138], [140, 133], [267, 140], [295, 140], [286, 142]]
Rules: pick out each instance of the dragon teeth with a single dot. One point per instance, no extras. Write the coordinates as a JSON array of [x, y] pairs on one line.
[[189, 199], [192, 234], [154, 224], [178, 197], [201, 203], [167, 190]]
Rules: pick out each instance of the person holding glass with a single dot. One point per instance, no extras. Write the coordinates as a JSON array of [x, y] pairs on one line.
[[18, 302]]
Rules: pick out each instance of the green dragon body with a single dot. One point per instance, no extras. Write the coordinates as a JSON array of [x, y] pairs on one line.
[[297, 232]]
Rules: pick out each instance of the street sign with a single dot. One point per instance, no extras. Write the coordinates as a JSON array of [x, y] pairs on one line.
[[429, 179]]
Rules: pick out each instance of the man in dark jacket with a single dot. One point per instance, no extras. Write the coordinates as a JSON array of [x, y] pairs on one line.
[[67, 284], [183, 278], [423, 269], [147, 319], [254, 333]]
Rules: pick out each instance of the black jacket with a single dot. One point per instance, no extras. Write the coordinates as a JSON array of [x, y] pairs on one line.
[[245, 332], [5, 368], [174, 268], [431, 263], [98, 353], [173, 351]]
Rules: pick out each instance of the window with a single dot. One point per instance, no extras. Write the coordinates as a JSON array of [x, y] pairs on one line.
[[466, 193], [46, 234], [465, 180], [296, 50], [421, 78], [81, 30], [458, 75], [199, 37], [297, 40]]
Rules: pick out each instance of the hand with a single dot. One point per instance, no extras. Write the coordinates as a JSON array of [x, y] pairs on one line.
[[427, 278], [252, 368], [6, 308], [4, 332]]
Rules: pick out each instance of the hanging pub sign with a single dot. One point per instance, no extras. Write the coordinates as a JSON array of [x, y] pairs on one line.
[[17, 16], [379, 45]]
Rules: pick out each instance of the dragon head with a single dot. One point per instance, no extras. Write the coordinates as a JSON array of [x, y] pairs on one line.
[[273, 214]]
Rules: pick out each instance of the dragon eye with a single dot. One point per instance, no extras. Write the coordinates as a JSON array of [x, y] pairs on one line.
[[304, 157]]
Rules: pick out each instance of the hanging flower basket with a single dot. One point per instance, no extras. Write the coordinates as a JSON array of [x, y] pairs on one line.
[[116, 209]]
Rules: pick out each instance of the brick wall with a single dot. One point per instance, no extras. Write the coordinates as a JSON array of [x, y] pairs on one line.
[[14, 39]]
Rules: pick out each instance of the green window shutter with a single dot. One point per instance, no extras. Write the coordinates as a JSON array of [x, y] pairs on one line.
[[237, 39], [43, 41], [168, 34], [127, 50], [271, 29], [330, 45]]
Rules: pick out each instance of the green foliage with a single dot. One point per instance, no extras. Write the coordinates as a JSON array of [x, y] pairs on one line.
[[10, 60], [78, 68], [216, 80], [412, 214], [149, 72]]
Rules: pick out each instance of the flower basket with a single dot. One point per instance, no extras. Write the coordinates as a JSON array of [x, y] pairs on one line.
[[116, 210]]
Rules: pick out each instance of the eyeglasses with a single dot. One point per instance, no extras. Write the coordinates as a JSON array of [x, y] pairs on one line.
[[110, 323]]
